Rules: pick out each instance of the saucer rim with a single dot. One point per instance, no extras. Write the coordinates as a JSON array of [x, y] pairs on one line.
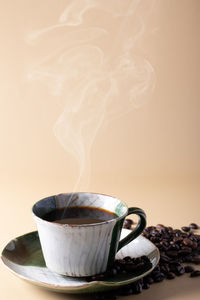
[[91, 286]]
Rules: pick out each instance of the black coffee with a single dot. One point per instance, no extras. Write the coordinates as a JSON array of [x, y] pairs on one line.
[[79, 215]]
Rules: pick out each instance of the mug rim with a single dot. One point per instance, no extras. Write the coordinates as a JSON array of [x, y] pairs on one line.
[[80, 225]]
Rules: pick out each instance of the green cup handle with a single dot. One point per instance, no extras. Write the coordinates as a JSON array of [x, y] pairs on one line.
[[139, 228]]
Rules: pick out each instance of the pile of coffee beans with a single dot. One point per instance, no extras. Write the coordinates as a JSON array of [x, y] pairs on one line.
[[127, 265], [178, 250]]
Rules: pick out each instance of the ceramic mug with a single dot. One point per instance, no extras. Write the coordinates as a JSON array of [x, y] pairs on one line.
[[83, 249]]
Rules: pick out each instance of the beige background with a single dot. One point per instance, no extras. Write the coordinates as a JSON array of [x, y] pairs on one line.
[[143, 149]]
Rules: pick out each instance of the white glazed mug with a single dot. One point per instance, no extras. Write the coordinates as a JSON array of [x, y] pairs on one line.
[[83, 249]]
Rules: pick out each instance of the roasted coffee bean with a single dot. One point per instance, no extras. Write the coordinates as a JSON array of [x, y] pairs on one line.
[[164, 258], [195, 273], [174, 247], [155, 239], [185, 228], [137, 260], [137, 288], [156, 269], [189, 269], [149, 280], [120, 262], [128, 223], [188, 259], [159, 277], [177, 239], [172, 253], [177, 232], [160, 226], [194, 245], [193, 226], [127, 258], [141, 266], [145, 258], [180, 271], [165, 269], [164, 243], [146, 286], [155, 274], [187, 242], [196, 260], [184, 252], [170, 275], [174, 267], [186, 248]]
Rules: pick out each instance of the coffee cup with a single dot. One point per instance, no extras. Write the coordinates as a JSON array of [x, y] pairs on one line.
[[86, 242]]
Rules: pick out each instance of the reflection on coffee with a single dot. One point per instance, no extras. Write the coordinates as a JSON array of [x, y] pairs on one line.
[[79, 215]]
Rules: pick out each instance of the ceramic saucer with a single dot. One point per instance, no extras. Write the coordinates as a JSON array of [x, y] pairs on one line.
[[23, 257]]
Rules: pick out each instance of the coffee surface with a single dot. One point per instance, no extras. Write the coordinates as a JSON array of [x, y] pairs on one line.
[[79, 215]]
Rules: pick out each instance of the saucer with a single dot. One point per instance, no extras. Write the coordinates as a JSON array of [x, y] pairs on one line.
[[23, 257]]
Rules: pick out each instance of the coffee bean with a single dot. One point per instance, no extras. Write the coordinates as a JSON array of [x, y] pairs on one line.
[[174, 267], [164, 258], [177, 239], [149, 280], [137, 260], [196, 260], [195, 273], [187, 242], [188, 259], [128, 223], [127, 258], [165, 269], [194, 245], [180, 271], [146, 286], [185, 228], [184, 252], [120, 262], [189, 269], [160, 226], [145, 258], [193, 226], [175, 247], [172, 253], [137, 288], [156, 269], [159, 277], [170, 275]]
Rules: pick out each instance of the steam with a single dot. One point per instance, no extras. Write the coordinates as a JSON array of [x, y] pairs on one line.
[[90, 68]]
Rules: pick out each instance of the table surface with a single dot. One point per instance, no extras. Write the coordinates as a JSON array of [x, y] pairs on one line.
[[171, 202]]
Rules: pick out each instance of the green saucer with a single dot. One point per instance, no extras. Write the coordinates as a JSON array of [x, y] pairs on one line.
[[23, 257]]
